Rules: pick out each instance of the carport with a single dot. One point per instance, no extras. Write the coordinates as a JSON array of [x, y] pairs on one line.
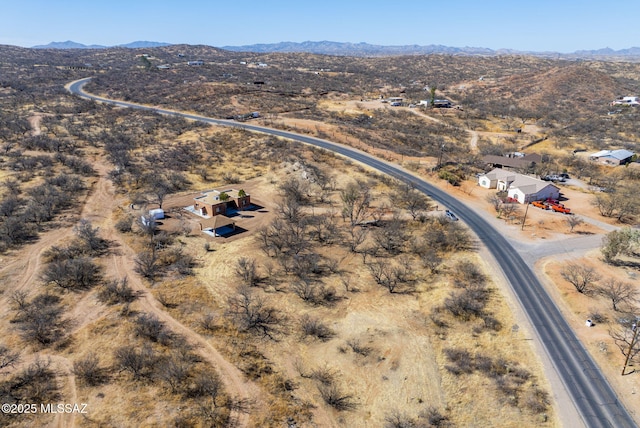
[[217, 222]]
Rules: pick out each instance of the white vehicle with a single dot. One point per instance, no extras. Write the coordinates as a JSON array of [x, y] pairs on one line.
[[451, 216]]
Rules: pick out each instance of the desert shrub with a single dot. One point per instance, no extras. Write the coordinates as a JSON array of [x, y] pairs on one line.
[[536, 400], [36, 383], [150, 327], [335, 397], [468, 274], [461, 359], [435, 418], [312, 326], [72, 274], [139, 362], [124, 225], [360, 349], [174, 371], [88, 370], [8, 358], [467, 304], [117, 291], [40, 320]]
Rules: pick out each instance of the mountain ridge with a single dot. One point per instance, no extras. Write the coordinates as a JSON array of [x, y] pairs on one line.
[[326, 47], [366, 49], [69, 44]]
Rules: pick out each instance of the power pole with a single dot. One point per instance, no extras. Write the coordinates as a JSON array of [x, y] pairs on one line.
[[633, 342], [525, 216]]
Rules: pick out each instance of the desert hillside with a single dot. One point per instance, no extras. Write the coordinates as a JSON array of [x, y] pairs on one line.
[[338, 296]]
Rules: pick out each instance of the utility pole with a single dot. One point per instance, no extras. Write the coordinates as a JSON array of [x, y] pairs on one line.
[[635, 330], [525, 216], [441, 153]]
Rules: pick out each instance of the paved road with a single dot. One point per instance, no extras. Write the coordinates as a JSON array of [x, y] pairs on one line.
[[591, 393]]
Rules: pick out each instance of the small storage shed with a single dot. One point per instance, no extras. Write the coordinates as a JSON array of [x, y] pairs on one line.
[[157, 214]]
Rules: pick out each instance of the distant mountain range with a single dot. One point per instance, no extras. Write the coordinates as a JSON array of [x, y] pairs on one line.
[[366, 49], [74, 45]]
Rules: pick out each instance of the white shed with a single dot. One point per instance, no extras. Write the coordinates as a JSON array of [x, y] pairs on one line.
[[157, 214]]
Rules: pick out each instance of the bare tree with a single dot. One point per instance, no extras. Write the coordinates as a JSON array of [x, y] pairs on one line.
[[150, 327], [358, 235], [356, 197], [618, 292], [140, 362], [573, 221], [412, 200], [8, 358], [88, 234], [495, 202], [580, 276], [246, 270], [251, 313], [40, 320], [509, 211], [626, 340], [88, 370], [431, 259], [148, 264], [290, 210]]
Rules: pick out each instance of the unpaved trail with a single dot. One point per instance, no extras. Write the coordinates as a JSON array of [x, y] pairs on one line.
[[66, 420]]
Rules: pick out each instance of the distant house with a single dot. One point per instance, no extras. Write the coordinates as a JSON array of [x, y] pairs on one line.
[[196, 62], [629, 101], [395, 101], [221, 202], [519, 187], [524, 162], [442, 104], [612, 157]]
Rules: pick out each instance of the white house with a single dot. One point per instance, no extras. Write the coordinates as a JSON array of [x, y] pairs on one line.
[[612, 157], [629, 101], [497, 179], [527, 189], [520, 187]]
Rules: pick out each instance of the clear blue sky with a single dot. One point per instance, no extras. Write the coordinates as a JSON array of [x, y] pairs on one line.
[[543, 25]]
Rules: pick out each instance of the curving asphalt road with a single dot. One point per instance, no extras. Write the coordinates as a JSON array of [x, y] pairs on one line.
[[592, 395]]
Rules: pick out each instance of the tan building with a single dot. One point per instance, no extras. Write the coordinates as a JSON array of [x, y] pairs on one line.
[[221, 202]]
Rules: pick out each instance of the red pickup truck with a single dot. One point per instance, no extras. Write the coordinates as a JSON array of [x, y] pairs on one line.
[[559, 208]]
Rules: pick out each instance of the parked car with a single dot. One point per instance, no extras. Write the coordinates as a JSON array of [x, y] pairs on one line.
[[451, 216], [559, 208]]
